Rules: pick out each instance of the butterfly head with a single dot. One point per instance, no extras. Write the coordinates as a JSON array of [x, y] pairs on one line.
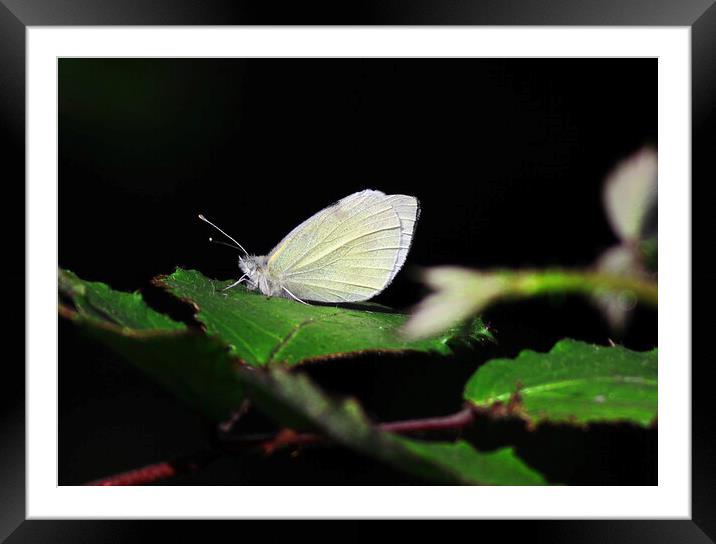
[[254, 268], [249, 265]]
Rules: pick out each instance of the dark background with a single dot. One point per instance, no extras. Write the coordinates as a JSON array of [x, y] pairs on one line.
[[507, 157]]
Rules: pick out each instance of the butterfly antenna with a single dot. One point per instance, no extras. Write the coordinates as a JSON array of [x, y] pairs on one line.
[[218, 242], [239, 246]]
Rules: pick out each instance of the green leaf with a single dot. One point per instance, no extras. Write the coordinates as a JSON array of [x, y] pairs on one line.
[[196, 368], [262, 330], [293, 400], [97, 301], [574, 383], [466, 465]]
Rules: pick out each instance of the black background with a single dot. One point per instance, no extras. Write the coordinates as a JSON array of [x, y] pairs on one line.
[[507, 157]]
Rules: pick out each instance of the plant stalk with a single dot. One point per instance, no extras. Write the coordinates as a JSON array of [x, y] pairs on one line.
[[270, 443]]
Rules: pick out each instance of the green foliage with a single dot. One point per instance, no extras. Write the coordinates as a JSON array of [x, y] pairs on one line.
[[466, 465], [574, 383], [262, 330], [193, 366], [294, 399], [98, 302], [199, 369]]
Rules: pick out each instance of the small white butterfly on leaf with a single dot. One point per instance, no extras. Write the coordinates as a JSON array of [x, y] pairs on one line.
[[347, 252]]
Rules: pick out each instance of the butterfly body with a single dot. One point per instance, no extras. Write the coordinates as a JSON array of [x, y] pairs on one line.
[[258, 276], [347, 252]]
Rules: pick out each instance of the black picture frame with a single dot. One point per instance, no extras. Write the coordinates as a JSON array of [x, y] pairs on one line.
[[16, 15]]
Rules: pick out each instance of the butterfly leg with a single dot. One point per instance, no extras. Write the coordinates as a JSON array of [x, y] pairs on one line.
[[237, 282], [295, 297]]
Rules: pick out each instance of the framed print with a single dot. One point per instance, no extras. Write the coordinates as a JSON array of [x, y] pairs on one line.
[[459, 311]]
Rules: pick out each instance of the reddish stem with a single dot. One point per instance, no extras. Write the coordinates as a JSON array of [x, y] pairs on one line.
[[269, 444], [159, 471], [140, 476], [461, 419]]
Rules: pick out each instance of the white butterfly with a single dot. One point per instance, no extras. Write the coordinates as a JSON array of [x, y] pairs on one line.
[[347, 252]]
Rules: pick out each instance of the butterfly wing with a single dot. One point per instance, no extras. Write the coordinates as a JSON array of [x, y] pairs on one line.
[[408, 212], [349, 251]]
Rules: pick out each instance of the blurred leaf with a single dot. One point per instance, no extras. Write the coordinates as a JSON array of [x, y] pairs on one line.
[[262, 330], [620, 260], [649, 250], [196, 368], [461, 293], [293, 400], [630, 194], [574, 383]]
